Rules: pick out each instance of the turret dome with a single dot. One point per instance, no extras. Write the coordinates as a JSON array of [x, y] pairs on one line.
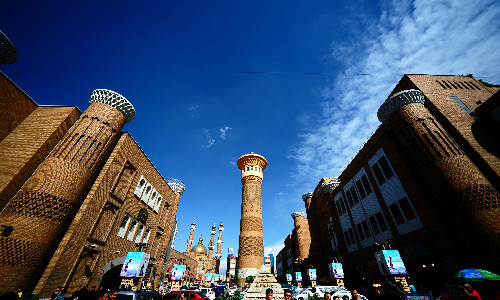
[[199, 248]]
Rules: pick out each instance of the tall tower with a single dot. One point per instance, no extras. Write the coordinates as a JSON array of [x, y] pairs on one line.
[[218, 255], [190, 240], [303, 236], [464, 197], [251, 247], [211, 246], [44, 207]]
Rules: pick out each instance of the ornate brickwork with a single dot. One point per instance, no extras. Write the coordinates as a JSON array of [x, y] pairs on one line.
[[252, 246], [21, 253], [40, 205]]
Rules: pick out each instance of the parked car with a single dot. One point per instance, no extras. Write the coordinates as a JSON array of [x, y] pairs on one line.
[[209, 292], [138, 295], [219, 290], [196, 295], [302, 294], [231, 290], [336, 291]]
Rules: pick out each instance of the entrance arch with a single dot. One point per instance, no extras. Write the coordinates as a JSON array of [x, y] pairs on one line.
[[111, 278]]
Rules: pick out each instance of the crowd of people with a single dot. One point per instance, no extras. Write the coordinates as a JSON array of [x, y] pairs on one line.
[[61, 293]]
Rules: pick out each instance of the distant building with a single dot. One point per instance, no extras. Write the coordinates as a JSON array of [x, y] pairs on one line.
[[77, 195], [426, 183]]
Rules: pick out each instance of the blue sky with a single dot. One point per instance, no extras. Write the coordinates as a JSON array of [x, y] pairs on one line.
[[184, 64]]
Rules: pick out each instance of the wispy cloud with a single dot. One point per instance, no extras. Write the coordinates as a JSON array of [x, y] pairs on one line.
[[193, 109], [223, 132], [209, 140], [276, 246], [423, 36]]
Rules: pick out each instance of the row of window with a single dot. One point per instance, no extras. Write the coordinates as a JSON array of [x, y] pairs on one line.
[[148, 194], [446, 84], [251, 168], [378, 225], [137, 231], [382, 172], [403, 206]]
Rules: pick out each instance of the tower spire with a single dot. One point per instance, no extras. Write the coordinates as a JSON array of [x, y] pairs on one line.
[[251, 245], [218, 255], [190, 240], [211, 245]]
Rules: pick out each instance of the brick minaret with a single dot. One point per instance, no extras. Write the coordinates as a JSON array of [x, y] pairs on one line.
[[251, 247], [218, 255], [307, 197], [303, 236], [211, 246], [190, 240], [48, 201], [465, 199]]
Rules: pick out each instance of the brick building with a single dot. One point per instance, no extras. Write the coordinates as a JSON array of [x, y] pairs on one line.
[[77, 194], [425, 183], [190, 263]]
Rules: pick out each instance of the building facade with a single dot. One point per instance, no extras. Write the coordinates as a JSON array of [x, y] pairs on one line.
[[425, 183], [77, 195]]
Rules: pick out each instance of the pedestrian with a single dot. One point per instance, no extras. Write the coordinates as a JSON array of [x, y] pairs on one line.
[[184, 295], [357, 296], [337, 298], [54, 295], [62, 294], [288, 294], [328, 296], [345, 297], [471, 293], [269, 294]]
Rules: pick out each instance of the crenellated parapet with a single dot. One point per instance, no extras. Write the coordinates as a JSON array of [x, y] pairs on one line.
[[252, 167], [397, 101]]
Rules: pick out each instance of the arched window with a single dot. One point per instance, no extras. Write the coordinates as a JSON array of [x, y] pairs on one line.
[[131, 231], [140, 187]]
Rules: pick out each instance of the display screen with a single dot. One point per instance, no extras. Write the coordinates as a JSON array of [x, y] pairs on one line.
[[288, 277], [298, 276], [390, 262], [135, 264], [336, 270], [178, 272], [312, 274]]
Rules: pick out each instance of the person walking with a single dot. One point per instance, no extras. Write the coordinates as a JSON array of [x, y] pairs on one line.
[[269, 294], [471, 293], [328, 296], [288, 294]]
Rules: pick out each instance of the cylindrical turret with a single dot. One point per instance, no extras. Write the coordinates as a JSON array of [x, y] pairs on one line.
[[303, 236], [467, 201], [251, 246], [211, 246], [47, 202], [307, 197], [219, 242], [190, 240]]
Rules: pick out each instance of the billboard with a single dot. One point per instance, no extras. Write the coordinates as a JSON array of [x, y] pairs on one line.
[[288, 277], [312, 274], [135, 264], [390, 262], [298, 276], [267, 260], [178, 272], [232, 265], [216, 277], [208, 277], [336, 270]]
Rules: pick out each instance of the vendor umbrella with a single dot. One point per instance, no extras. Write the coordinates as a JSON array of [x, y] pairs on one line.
[[476, 275]]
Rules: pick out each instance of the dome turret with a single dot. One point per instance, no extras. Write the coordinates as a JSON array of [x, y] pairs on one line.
[[199, 248]]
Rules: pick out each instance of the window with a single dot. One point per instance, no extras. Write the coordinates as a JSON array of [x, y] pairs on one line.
[[366, 228], [381, 221], [251, 168], [158, 203], [351, 235], [366, 184], [354, 195], [385, 167], [375, 227], [347, 238], [361, 190], [349, 198], [406, 208], [131, 231], [464, 107], [378, 174], [139, 233], [140, 187], [123, 225], [339, 208], [146, 235], [396, 213], [360, 232], [341, 200]]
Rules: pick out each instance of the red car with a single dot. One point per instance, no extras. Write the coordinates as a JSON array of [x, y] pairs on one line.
[[195, 295]]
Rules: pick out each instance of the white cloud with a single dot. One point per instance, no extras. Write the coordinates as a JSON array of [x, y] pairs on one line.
[[419, 37], [223, 132], [277, 246], [193, 109], [210, 140]]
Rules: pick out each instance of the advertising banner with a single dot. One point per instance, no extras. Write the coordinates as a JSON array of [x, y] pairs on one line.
[[267, 259], [208, 277], [135, 264], [288, 277], [336, 270], [390, 262], [200, 277], [178, 272], [216, 277], [312, 274], [298, 276]]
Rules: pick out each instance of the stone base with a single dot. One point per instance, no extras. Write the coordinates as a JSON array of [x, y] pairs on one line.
[[261, 282], [244, 273]]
